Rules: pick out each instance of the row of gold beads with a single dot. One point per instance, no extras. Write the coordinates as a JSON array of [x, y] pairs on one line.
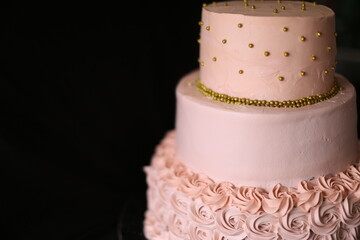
[[305, 101]]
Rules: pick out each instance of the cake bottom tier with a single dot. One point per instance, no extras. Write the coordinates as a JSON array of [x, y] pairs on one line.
[[185, 205]]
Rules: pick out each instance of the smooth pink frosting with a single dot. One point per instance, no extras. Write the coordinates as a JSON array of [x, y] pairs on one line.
[[258, 146], [264, 29], [183, 204]]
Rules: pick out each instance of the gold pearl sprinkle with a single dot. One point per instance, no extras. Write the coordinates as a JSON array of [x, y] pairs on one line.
[[251, 45], [326, 71], [214, 59], [329, 48], [224, 41], [285, 29], [318, 34], [279, 1], [204, 5], [314, 3], [201, 23], [253, 7], [266, 53], [302, 73], [199, 40], [246, 4], [214, 3], [286, 54], [283, 8], [208, 28], [275, 10], [302, 38], [333, 68], [335, 34], [202, 63], [241, 71], [226, 4], [295, 103], [313, 58], [281, 78], [240, 25]]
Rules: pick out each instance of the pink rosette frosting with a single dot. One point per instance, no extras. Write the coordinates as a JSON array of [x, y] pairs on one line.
[[231, 221], [350, 209], [325, 218], [178, 227], [332, 187], [180, 203], [218, 195], [249, 199], [308, 196], [346, 233], [262, 227], [202, 214], [351, 177], [198, 233], [194, 184], [279, 201], [295, 225]]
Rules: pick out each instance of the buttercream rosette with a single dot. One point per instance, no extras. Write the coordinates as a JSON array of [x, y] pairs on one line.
[[188, 205]]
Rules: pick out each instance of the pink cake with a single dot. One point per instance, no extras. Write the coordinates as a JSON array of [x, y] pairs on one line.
[[266, 145]]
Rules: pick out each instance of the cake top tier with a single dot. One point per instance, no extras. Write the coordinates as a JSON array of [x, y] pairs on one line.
[[267, 50], [266, 8]]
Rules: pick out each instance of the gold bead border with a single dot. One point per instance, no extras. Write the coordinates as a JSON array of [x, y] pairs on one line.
[[305, 101]]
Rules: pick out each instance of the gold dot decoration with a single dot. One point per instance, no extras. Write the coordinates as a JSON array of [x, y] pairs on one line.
[[318, 34], [286, 54], [302, 73], [253, 7], [336, 62], [314, 3], [224, 41], [214, 59], [266, 53], [202, 63], [226, 4], [214, 3], [301, 102], [313, 58], [204, 5], [241, 71], [281, 78], [199, 40], [333, 68], [275, 10], [335, 34], [251, 45], [240, 25], [326, 71], [302, 38], [201, 23], [279, 1], [285, 29], [303, 6], [283, 8], [246, 4], [329, 48], [208, 28]]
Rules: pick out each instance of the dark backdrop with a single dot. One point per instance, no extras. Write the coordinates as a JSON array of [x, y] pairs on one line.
[[86, 92]]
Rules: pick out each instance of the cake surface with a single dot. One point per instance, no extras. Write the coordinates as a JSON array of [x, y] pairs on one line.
[[265, 145]]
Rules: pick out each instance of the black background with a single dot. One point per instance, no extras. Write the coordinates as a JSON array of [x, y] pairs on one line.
[[87, 92]]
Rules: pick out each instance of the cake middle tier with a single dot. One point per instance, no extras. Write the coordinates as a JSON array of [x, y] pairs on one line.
[[262, 146], [255, 53]]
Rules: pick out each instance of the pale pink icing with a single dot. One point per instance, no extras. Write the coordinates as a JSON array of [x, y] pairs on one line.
[[223, 210], [257, 146], [264, 29]]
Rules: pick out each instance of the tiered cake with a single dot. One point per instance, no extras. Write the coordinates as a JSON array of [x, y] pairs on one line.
[[266, 143]]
